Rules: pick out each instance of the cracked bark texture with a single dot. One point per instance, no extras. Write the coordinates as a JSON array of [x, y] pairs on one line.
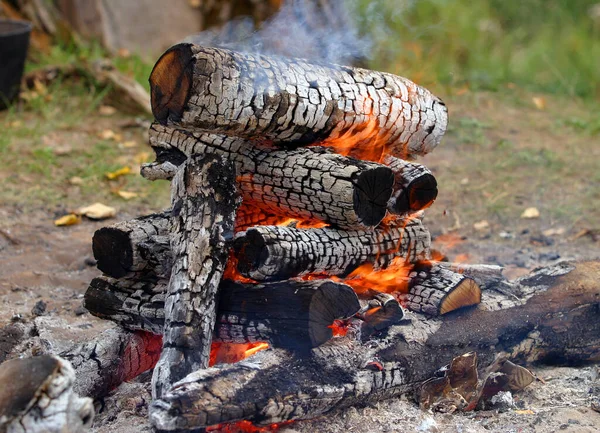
[[435, 290], [291, 101], [553, 319], [110, 359], [290, 314], [276, 253], [415, 187], [307, 183], [204, 203]]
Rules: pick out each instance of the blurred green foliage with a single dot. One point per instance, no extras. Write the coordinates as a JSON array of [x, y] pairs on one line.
[[544, 45]]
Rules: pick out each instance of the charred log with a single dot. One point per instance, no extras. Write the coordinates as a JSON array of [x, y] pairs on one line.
[[291, 314], [303, 183], [204, 203], [555, 320], [435, 290], [415, 187], [276, 253], [290, 100]]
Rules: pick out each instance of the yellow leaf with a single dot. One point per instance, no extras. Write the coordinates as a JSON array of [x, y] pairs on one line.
[[525, 412], [127, 195], [481, 225], [118, 173], [109, 134], [76, 180], [129, 144], [530, 213], [539, 102], [68, 220], [97, 211]]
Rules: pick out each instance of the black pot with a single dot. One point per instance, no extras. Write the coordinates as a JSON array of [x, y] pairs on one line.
[[14, 41]]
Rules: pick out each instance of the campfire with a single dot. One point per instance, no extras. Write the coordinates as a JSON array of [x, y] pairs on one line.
[[293, 273]]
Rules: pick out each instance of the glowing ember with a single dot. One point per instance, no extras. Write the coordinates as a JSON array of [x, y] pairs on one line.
[[229, 353], [392, 279], [245, 427], [231, 272], [339, 327], [303, 224]]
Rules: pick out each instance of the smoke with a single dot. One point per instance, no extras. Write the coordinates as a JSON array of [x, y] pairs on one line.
[[317, 30]]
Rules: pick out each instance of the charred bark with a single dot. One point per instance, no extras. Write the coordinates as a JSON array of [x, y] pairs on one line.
[[290, 100], [555, 320], [415, 187], [204, 203], [303, 183], [291, 314], [267, 253]]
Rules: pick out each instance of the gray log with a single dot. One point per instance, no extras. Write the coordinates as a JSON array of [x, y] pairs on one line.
[[290, 100], [415, 186], [307, 183], [204, 203], [267, 253]]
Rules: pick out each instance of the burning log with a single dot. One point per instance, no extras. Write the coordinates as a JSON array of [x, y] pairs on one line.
[[381, 311], [555, 319], [37, 396], [113, 357], [309, 183], [267, 253], [204, 203], [435, 290], [291, 314], [249, 216], [415, 187], [290, 100]]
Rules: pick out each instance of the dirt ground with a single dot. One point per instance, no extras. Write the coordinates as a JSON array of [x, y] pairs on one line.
[[503, 154]]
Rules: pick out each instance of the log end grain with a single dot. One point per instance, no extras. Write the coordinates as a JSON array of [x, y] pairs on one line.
[[419, 195], [171, 82], [113, 251], [373, 189], [466, 294]]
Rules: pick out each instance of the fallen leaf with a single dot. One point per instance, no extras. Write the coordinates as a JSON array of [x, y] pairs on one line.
[[107, 110], [530, 213], [97, 211], [554, 232], [118, 173], [525, 412], [109, 134], [76, 180], [127, 195], [481, 225], [539, 102], [129, 144], [68, 220]]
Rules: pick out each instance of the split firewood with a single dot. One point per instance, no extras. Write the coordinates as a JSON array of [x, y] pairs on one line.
[[555, 320], [204, 202], [37, 396], [113, 357], [415, 187], [292, 101], [276, 253], [291, 314], [435, 290], [307, 183]]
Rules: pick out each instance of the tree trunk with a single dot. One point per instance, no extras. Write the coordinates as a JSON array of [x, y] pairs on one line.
[[267, 253], [309, 183], [204, 203], [290, 314], [291, 101], [556, 320]]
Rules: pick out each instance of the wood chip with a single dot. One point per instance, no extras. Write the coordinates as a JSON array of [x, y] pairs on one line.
[[67, 220], [127, 195], [530, 213], [97, 211], [481, 225]]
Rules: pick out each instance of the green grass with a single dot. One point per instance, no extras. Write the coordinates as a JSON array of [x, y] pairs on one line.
[[545, 45]]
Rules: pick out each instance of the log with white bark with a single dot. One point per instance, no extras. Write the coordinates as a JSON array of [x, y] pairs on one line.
[[267, 253], [204, 202], [290, 314], [554, 318], [291, 101], [306, 183], [415, 186], [37, 396]]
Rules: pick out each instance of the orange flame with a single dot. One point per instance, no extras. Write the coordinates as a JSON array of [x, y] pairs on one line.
[[392, 279], [229, 353], [362, 141], [245, 427], [303, 224], [339, 327]]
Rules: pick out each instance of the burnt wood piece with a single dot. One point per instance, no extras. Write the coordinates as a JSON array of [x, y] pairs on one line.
[[249, 216], [291, 314], [267, 253], [37, 396], [381, 311], [415, 187], [290, 101], [204, 202], [486, 276], [113, 357], [308, 183], [137, 248], [435, 290], [555, 320]]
